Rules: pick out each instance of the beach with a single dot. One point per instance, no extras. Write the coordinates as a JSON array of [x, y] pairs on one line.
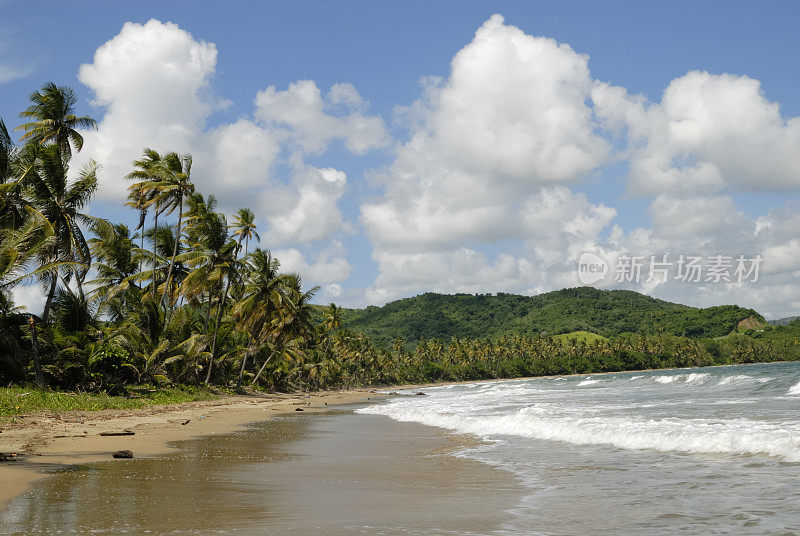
[[646, 452], [46, 442], [255, 467]]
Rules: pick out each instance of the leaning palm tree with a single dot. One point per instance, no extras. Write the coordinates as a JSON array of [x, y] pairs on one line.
[[54, 119], [244, 225], [60, 202], [18, 247]]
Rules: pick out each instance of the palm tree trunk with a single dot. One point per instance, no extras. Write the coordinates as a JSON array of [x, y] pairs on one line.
[[142, 248], [79, 282], [50, 294], [262, 369], [37, 364], [155, 241], [241, 370], [208, 309], [216, 327], [174, 251]]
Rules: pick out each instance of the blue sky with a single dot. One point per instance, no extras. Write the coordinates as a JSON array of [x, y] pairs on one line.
[[383, 51]]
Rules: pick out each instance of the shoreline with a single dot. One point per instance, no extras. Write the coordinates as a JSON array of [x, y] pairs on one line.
[[46, 442], [52, 441]]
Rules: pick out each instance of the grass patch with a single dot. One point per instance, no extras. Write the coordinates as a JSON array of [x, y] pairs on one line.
[[18, 401], [580, 336]]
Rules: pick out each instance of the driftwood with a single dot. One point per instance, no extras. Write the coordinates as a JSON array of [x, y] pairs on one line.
[[122, 433], [123, 454]]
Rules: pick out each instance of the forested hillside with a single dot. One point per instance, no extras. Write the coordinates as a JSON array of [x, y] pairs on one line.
[[607, 313]]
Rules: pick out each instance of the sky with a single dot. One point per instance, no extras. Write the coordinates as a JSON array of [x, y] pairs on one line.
[[390, 149]]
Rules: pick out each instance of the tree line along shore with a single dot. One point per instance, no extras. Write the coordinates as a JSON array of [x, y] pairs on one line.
[[187, 299]]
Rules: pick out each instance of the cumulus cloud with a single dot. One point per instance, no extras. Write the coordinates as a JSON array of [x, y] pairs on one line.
[[154, 82], [327, 266], [312, 213], [490, 150], [315, 121], [708, 133]]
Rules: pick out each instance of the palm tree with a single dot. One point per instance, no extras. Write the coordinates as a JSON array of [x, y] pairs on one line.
[[333, 318], [213, 264], [144, 193], [53, 111], [138, 201], [6, 153], [174, 188], [12, 172], [19, 246], [60, 202], [244, 223], [116, 262], [265, 294]]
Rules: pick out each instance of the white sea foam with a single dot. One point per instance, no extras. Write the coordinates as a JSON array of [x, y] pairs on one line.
[[735, 379], [644, 415], [588, 381], [795, 389], [681, 378], [737, 436]]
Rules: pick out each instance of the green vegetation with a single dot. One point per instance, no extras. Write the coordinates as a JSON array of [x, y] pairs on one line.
[[604, 312], [579, 336], [185, 299], [15, 401]]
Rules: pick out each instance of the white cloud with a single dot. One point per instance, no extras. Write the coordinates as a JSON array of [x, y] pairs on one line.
[[456, 270], [311, 118], [709, 133], [32, 297], [10, 72], [12, 67], [153, 80], [489, 152], [328, 266], [311, 213]]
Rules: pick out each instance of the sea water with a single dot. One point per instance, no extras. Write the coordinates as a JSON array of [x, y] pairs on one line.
[[691, 451]]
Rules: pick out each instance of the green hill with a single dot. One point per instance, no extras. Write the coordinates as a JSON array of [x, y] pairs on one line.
[[604, 312]]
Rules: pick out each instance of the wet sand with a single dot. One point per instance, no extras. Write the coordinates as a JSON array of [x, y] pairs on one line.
[[334, 473], [49, 442]]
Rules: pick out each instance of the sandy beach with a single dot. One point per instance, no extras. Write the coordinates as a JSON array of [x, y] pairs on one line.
[[50, 441], [250, 465]]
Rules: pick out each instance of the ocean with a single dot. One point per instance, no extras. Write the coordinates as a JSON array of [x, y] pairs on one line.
[[690, 451]]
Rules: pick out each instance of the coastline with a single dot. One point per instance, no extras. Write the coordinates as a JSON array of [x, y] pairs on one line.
[[51, 441], [46, 442]]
